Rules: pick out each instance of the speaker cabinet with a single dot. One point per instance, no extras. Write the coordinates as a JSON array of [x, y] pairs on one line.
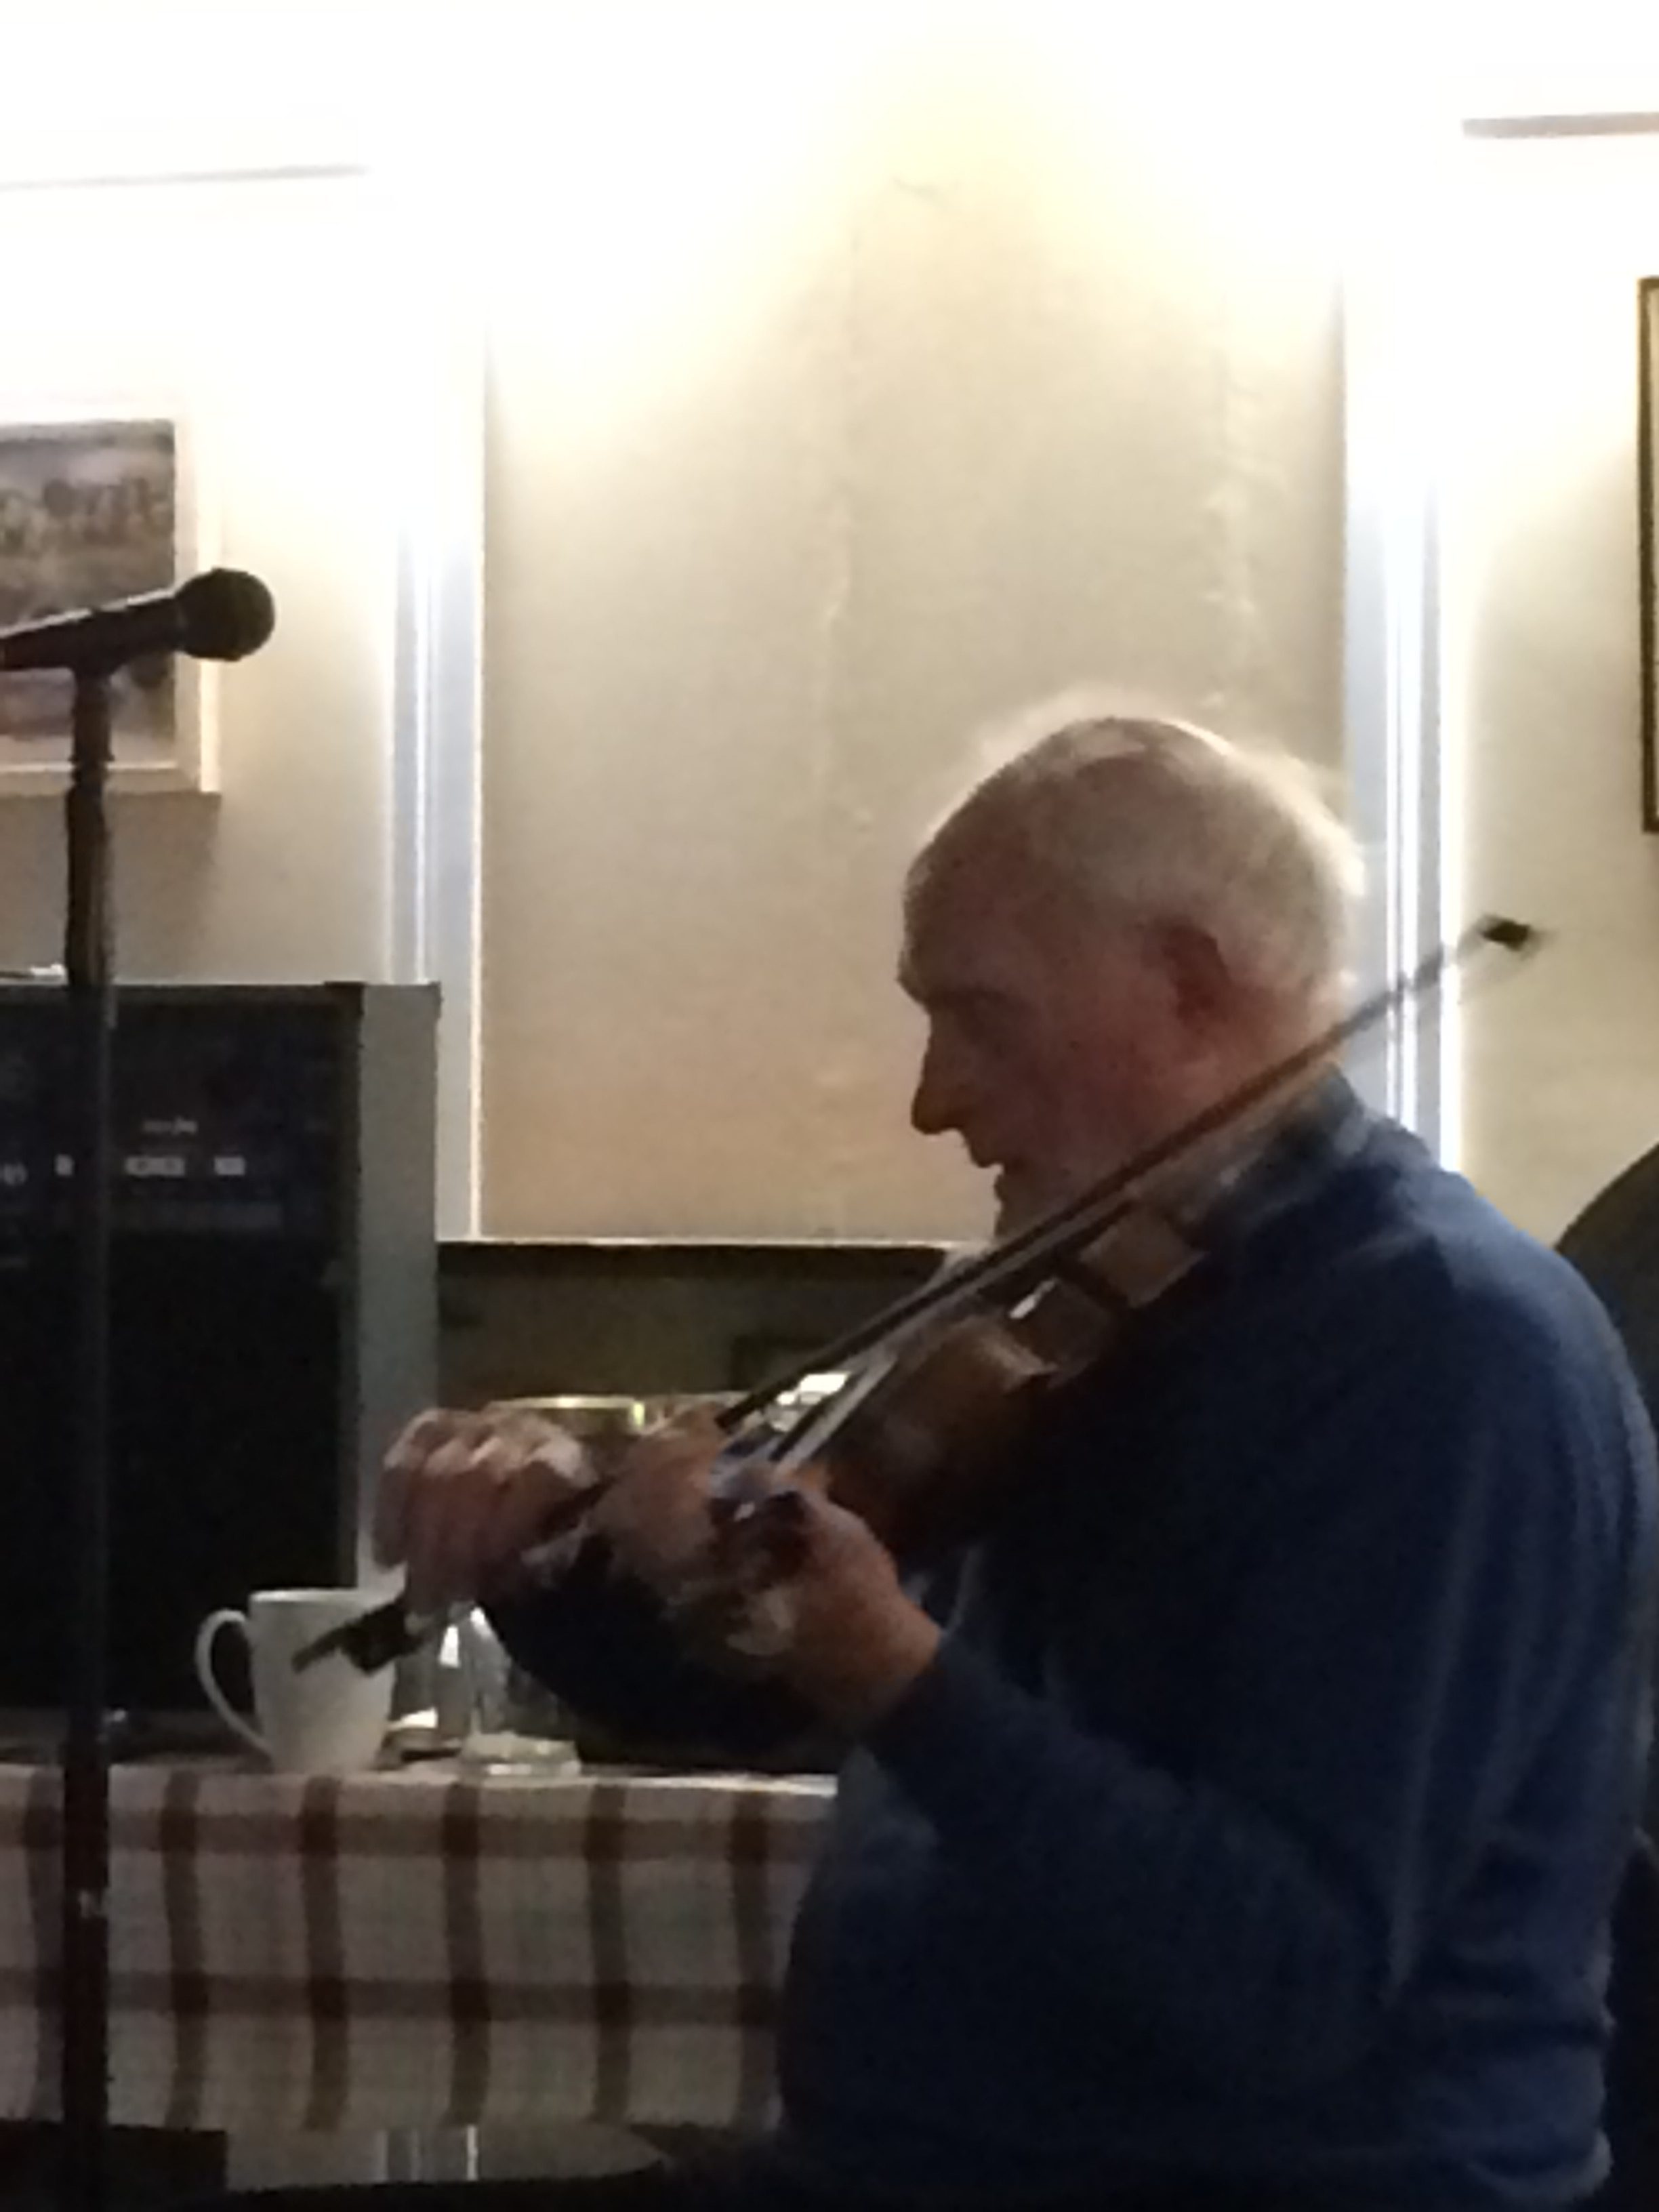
[[273, 1307]]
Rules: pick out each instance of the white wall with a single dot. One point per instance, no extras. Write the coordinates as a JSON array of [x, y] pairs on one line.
[[173, 240], [857, 370], [858, 374], [1561, 1073], [255, 315]]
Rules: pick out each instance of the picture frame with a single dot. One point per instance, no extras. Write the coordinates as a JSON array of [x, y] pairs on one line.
[[1647, 473], [97, 507]]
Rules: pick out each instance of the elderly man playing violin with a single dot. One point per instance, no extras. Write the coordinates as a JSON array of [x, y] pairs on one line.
[[1231, 1818]]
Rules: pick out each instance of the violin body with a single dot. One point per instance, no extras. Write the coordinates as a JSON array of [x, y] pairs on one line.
[[925, 1459], [931, 1455]]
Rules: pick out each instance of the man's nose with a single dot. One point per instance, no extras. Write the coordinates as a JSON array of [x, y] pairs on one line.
[[934, 1104]]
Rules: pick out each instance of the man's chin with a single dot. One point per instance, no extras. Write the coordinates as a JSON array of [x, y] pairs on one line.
[[1018, 1205], [1022, 1200]]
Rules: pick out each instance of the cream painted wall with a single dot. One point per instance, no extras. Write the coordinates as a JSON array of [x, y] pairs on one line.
[[257, 314], [858, 374], [859, 369], [1561, 1067], [268, 314]]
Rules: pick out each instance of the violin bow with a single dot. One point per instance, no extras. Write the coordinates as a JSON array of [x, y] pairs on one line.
[[1015, 1262], [1006, 1269]]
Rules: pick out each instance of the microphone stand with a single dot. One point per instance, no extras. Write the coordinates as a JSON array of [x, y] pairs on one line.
[[83, 2001]]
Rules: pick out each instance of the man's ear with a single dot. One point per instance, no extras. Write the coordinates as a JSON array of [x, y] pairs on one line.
[[1203, 989]]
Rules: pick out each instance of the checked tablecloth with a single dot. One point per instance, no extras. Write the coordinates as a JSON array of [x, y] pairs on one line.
[[415, 1949]]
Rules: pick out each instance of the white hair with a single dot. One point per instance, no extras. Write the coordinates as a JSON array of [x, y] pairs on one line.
[[1143, 819]]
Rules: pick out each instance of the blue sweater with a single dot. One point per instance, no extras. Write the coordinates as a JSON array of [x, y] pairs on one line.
[[1261, 1813]]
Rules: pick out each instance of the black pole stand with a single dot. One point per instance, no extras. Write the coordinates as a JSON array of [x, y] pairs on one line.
[[83, 2002]]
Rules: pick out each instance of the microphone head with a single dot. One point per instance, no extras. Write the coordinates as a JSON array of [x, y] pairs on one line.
[[224, 614]]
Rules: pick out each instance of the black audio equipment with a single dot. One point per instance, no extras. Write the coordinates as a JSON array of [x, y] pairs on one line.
[[273, 1306]]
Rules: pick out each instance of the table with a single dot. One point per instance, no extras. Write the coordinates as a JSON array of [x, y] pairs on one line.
[[418, 1949]]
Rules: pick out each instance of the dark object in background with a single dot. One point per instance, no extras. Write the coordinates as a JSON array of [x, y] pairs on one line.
[[1614, 1245], [150, 2169], [636, 1319], [1633, 2112], [1615, 1249], [815, 1751], [274, 1307]]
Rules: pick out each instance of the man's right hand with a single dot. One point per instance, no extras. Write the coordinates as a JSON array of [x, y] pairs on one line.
[[463, 1495]]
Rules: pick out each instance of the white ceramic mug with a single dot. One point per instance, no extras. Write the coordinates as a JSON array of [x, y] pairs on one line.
[[327, 1718]]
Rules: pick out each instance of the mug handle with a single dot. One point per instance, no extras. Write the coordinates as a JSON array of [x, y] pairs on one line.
[[206, 1635]]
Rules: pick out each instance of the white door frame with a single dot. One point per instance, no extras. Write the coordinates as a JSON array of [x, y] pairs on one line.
[[1395, 715]]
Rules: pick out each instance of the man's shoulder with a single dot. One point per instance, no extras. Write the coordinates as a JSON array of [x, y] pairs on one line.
[[1415, 1242], [1400, 1299], [1409, 1344]]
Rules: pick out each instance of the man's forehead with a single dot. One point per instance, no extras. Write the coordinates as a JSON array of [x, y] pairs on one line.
[[963, 923], [972, 856], [936, 934], [977, 873], [948, 888]]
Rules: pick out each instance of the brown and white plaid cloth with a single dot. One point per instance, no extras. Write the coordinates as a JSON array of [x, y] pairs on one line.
[[416, 1949]]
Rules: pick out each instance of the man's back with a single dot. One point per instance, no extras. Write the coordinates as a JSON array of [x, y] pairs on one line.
[[1260, 1816], [1263, 1813]]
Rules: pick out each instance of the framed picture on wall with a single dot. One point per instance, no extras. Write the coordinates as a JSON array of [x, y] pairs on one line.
[[92, 509], [1647, 439]]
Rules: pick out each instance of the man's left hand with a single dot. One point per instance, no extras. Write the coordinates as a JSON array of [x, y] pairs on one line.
[[856, 1642]]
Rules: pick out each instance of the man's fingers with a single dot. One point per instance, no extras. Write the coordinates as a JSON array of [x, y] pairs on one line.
[[451, 1521], [467, 1504], [696, 1422], [409, 1453], [419, 1435], [461, 1493]]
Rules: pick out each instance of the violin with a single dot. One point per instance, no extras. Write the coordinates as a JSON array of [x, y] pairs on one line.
[[918, 1438]]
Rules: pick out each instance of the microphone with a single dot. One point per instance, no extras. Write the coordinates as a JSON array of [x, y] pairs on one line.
[[220, 615]]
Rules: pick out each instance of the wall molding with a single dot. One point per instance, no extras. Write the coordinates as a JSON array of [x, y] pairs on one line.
[[434, 822]]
